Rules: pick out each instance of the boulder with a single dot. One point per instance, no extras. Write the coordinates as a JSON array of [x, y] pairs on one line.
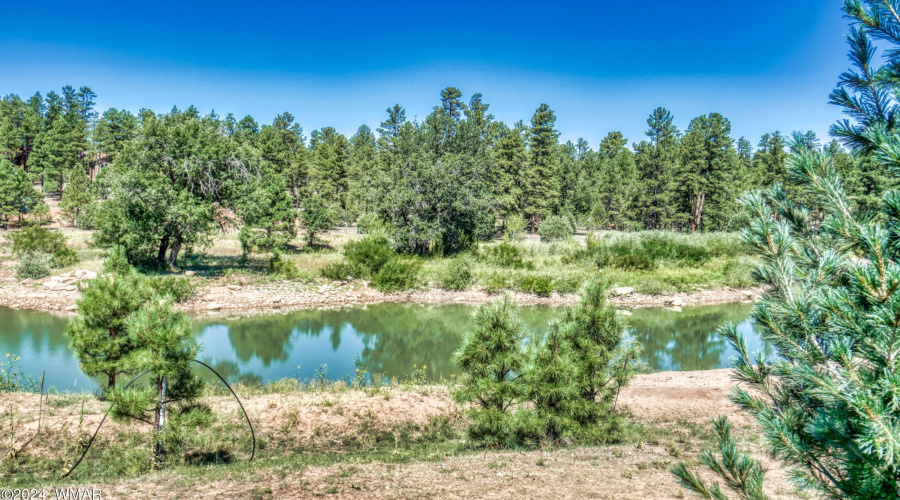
[[622, 290], [189, 273], [748, 293], [675, 301], [26, 281], [212, 306], [674, 309], [234, 287], [73, 307], [88, 275]]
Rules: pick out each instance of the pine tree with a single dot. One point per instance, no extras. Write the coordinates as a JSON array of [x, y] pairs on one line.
[[616, 182], [708, 179], [507, 172], [656, 161], [603, 361], [362, 172], [77, 197], [166, 347], [17, 193], [551, 391], [540, 186], [330, 161], [283, 146], [98, 332], [493, 360]]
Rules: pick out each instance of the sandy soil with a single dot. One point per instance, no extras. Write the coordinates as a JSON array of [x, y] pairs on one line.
[[218, 297], [638, 471]]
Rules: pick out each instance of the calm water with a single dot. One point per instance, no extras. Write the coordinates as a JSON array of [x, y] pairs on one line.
[[386, 339]]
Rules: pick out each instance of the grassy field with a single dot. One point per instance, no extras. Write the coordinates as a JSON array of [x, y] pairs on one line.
[[651, 262]]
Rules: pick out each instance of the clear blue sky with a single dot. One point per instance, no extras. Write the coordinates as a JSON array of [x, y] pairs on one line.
[[766, 65]]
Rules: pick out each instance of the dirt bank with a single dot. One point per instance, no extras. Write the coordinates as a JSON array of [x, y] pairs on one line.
[[59, 293], [681, 401]]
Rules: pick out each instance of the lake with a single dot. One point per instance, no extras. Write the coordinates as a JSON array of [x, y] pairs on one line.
[[384, 339]]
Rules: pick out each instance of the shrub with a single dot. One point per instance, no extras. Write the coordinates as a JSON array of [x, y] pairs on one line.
[[33, 265], [341, 271], [285, 269], [397, 275], [36, 239], [537, 284], [371, 252], [495, 282], [555, 228], [64, 257], [178, 288], [624, 255], [457, 276], [515, 226], [12, 378], [507, 254]]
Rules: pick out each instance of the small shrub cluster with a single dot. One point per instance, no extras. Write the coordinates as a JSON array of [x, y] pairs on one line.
[[64, 257], [397, 275], [540, 284], [179, 288], [12, 378], [33, 265], [555, 228], [506, 254], [370, 223], [284, 269], [458, 275], [559, 390], [343, 271], [373, 256], [36, 239]]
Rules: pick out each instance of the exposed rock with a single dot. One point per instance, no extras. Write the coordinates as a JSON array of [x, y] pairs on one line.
[[748, 293], [234, 287], [189, 273], [212, 306], [622, 290], [674, 309], [71, 288], [26, 281], [72, 308], [88, 275]]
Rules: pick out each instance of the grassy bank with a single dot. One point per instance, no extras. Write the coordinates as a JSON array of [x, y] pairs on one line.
[[650, 262]]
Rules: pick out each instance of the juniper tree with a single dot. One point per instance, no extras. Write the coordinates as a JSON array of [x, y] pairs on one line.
[[493, 360]]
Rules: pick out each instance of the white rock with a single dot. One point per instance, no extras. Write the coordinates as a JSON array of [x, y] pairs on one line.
[[677, 302], [73, 307], [71, 288], [747, 293], [78, 273], [26, 281], [36, 296], [88, 275], [212, 306], [622, 290], [276, 299], [234, 287], [189, 273], [674, 309]]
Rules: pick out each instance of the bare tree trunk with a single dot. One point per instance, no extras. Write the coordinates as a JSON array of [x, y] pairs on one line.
[[698, 214], [159, 421], [163, 247]]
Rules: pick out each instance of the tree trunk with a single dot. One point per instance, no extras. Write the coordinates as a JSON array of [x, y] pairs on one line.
[[698, 211], [163, 246], [173, 253], [159, 422], [111, 375]]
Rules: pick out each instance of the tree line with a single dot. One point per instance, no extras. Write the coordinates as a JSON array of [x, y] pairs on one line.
[[167, 181]]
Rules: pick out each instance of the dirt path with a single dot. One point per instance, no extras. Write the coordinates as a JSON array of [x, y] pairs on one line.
[[681, 401]]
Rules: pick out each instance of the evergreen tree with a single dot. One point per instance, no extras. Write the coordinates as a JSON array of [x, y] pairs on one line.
[[656, 161], [492, 360], [330, 158], [77, 197], [540, 186], [268, 218], [113, 131], [506, 173], [362, 172], [17, 193], [708, 180], [550, 389], [98, 332], [283, 146], [616, 182], [166, 348]]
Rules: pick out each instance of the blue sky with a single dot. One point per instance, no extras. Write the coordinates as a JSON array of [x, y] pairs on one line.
[[602, 65]]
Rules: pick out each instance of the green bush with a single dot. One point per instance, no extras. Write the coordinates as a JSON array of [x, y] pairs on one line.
[[33, 265], [624, 255], [36, 239], [458, 275], [495, 282], [397, 275], [537, 284], [370, 223], [64, 257], [507, 254], [371, 252], [555, 228], [342, 271], [178, 288], [284, 269]]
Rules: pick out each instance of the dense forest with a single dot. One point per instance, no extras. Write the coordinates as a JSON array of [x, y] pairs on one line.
[[158, 183]]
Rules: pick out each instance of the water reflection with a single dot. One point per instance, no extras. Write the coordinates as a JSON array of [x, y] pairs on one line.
[[387, 339]]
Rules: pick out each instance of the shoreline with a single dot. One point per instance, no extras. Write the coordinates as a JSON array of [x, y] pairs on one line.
[[216, 297]]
